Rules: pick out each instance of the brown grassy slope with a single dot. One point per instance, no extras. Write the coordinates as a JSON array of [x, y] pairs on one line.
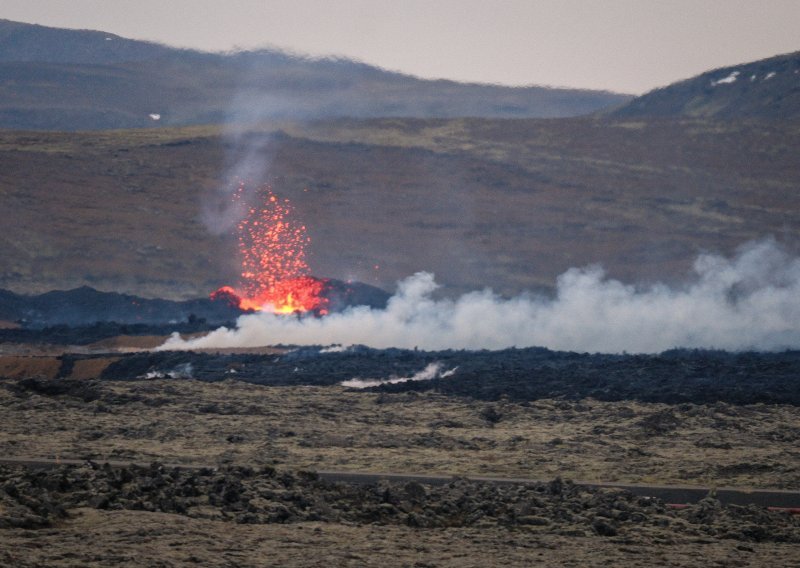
[[506, 203], [114, 210]]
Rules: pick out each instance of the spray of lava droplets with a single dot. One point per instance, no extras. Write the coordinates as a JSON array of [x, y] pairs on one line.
[[272, 246]]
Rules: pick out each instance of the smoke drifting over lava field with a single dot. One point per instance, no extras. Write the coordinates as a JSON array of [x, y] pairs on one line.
[[749, 302]]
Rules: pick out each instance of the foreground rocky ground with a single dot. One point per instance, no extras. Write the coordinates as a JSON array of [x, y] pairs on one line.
[[190, 515], [259, 508], [138, 538], [231, 422]]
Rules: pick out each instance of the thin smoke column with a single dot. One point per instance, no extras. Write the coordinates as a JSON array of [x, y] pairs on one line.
[[750, 301]]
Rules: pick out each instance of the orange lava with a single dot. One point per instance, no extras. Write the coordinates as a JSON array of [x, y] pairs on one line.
[[272, 247], [301, 294]]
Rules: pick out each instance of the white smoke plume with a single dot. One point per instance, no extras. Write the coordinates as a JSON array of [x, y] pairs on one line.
[[751, 301], [249, 154], [431, 371], [250, 158], [182, 371]]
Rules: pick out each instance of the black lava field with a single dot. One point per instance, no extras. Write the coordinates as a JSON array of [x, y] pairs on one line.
[[672, 377]]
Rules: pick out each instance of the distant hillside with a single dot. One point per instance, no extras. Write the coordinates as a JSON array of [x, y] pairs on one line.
[[480, 202], [20, 42], [71, 80], [765, 89]]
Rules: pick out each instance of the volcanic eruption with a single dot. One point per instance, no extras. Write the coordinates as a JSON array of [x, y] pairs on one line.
[[272, 247]]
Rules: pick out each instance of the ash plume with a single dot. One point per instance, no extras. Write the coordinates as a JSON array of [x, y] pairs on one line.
[[749, 301]]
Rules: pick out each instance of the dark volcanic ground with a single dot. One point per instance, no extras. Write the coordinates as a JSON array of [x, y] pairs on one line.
[[673, 377], [37, 499], [86, 306]]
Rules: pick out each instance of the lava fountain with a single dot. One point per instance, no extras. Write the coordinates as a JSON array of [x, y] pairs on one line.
[[272, 247]]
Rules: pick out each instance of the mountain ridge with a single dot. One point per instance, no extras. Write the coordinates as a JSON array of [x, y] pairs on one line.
[[57, 79], [763, 89]]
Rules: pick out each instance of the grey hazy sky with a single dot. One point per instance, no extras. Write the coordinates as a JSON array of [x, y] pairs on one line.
[[621, 45]]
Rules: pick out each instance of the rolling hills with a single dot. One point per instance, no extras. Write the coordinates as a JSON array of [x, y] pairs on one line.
[[765, 89], [56, 79]]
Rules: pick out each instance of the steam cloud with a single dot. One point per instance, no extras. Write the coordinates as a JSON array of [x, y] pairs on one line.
[[249, 161], [248, 156], [751, 301], [431, 371]]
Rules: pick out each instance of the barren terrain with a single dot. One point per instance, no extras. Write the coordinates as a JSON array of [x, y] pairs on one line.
[[506, 204], [256, 435], [254, 517], [138, 538], [191, 422]]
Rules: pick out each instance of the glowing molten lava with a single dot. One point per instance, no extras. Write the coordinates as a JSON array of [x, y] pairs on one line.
[[301, 294], [272, 248]]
